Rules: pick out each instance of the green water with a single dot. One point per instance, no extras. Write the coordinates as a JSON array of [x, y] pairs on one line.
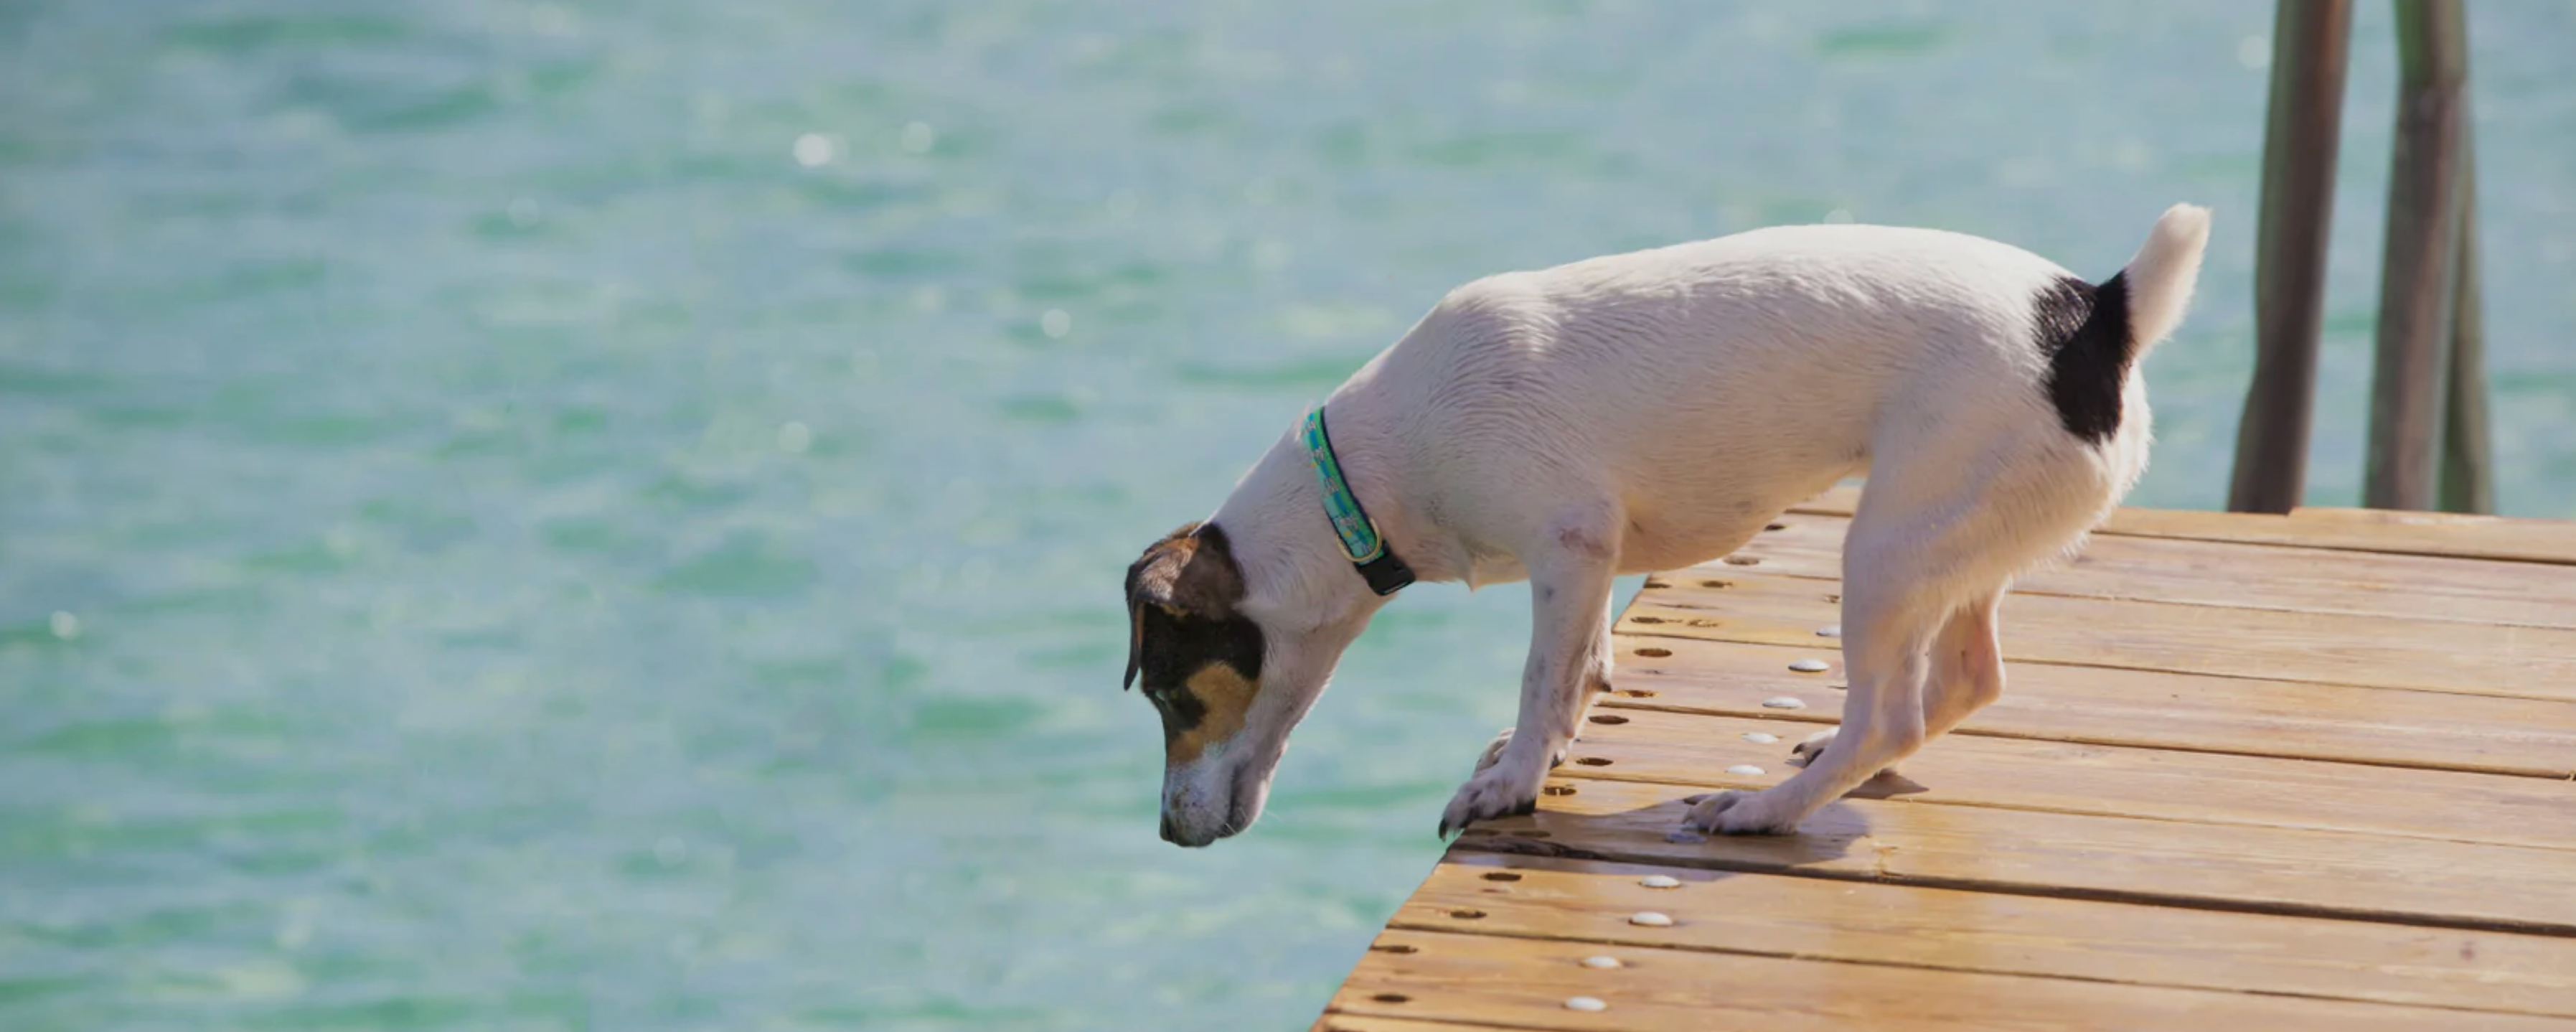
[[491, 539]]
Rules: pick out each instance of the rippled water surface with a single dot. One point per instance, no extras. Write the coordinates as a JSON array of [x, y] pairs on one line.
[[609, 516]]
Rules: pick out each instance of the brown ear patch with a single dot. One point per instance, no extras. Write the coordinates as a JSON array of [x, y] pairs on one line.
[[1191, 569], [1190, 573]]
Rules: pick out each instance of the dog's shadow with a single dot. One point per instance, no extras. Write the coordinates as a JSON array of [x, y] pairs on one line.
[[1887, 784], [1640, 822]]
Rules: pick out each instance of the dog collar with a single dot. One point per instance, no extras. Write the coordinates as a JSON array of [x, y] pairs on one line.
[[1367, 549]]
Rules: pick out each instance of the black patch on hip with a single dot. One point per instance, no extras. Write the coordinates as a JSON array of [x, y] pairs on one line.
[[2084, 331]]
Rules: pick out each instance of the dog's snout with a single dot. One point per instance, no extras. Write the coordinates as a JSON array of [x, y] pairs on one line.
[[1208, 801]]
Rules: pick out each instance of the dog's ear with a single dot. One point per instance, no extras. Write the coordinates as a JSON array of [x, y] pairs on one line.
[[1190, 573], [1135, 644]]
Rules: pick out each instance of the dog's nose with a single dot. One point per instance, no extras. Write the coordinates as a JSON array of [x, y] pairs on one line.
[[1167, 829]]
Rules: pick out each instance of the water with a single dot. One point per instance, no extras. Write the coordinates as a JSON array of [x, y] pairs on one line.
[[609, 517]]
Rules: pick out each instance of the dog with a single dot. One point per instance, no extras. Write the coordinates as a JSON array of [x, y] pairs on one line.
[[1653, 410]]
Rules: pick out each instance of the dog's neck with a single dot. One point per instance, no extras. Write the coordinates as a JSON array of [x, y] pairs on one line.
[[1281, 535]]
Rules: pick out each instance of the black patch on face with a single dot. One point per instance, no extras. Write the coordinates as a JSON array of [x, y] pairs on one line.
[[2084, 331], [1180, 597], [1179, 647]]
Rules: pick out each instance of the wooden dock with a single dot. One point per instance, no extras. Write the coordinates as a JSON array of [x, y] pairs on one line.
[[2250, 771]]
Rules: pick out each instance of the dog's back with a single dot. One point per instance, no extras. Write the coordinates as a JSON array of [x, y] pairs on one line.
[[1740, 374]]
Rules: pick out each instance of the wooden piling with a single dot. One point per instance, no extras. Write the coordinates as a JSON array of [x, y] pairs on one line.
[[2468, 483], [2310, 42], [2420, 263]]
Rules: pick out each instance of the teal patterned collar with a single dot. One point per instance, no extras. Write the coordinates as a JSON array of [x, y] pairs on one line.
[[1367, 549]]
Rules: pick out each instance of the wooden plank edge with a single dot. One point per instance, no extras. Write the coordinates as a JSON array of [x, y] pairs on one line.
[[1643, 944], [2123, 996], [2257, 954]]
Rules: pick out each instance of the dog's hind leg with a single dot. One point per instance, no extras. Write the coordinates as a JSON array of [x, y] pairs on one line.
[[1967, 666], [1967, 675], [1569, 663], [1929, 555], [1889, 623]]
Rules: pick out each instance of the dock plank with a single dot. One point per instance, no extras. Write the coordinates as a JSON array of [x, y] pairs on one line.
[[1774, 915], [2460, 537], [2209, 866], [2215, 573], [1524, 983], [2154, 709], [2469, 659], [2118, 781]]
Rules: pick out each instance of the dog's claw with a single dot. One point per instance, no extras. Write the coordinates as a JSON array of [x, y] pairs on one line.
[[1805, 753], [1494, 792]]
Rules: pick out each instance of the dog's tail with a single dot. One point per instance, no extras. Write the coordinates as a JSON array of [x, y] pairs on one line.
[[2160, 276], [2095, 335]]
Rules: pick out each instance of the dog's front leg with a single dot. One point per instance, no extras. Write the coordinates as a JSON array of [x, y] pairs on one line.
[[1569, 661]]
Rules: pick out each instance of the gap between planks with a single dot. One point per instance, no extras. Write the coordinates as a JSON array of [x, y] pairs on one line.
[[2386, 652], [2207, 573], [2324, 530], [2392, 727], [1333, 1022]]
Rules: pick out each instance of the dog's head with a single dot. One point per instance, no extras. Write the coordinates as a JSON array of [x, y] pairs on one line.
[[1228, 685]]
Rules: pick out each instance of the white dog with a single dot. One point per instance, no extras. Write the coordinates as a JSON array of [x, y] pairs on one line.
[[1647, 411]]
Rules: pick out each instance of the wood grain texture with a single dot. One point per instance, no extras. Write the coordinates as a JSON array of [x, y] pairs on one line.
[[2470, 659], [2456, 535], [1771, 915], [2395, 727], [2227, 867], [1524, 983], [2214, 573], [2232, 783], [2118, 781]]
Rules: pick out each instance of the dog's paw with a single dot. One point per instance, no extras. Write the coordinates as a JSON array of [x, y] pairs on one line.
[[1741, 813], [1493, 792], [1806, 753]]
